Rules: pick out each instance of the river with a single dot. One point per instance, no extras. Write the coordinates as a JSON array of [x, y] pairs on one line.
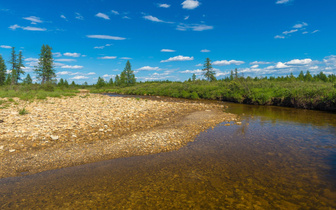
[[279, 158]]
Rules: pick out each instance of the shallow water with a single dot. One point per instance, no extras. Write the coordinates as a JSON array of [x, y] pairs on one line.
[[279, 158]]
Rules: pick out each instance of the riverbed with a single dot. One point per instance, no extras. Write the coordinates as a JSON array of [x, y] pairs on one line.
[[278, 158]]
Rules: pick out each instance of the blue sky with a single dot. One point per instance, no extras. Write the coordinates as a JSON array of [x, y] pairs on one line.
[[170, 39]]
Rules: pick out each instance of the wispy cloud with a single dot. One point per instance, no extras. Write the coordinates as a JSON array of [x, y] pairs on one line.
[[205, 51], [168, 50], [225, 62], [164, 5], [115, 12], [279, 37], [33, 19], [300, 62], [76, 55], [259, 63], [196, 72], [105, 37], [79, 77], [57, 54], [300, 25], [102, 47], [178, 58], [148, 68], [65, 60], [290, 32], [79, 16], [27, 28], [63, 17], [5, 46], [108, 57], [193, 27], [155, 19], [126, 58], [102, 15], [71, 67], [282, 1], [190, 4]]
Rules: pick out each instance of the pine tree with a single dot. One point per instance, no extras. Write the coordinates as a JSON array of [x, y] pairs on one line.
[[117, 80], [66, 84], [28, 80], [8, 80], [208, 72], [129, 74], [3, 70], [308, 76], [122, 79], [19, 67], [110, 83], [61, 82], [45, 70], [100, 82], [194, 77], [13, 64], [301, 76]]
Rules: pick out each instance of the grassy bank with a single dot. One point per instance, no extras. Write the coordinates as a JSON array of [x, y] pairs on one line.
[[298, 94], [33, 91]]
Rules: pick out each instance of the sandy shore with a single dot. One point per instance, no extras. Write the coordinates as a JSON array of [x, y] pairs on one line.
[[63, 132]]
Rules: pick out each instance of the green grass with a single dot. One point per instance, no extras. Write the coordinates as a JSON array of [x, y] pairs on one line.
[[308, 95], [23, 111]]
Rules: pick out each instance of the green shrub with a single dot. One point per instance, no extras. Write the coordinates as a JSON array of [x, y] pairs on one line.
[[23, 111]]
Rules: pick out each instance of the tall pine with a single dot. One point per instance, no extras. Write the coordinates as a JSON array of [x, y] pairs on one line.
[[3, 70], [13, 63], [45, 70], [208, 72], [129, 74]]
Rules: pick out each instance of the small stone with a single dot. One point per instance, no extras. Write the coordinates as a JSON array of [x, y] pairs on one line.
[[54, 137], [238, 123], [1, 147], [101, 130], [12, 150], [74, 136]]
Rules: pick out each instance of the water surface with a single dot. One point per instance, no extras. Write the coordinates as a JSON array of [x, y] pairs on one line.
[[279, 158]]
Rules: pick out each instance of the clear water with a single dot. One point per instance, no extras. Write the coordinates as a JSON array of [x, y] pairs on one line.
[[279, 158]]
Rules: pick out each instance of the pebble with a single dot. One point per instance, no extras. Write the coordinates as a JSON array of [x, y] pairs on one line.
[[12, 150], [54, 137]]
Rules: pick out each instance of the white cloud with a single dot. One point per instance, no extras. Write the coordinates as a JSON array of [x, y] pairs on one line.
[[193, 27], [205, 51], [282, 1], [75, 55], [126, 17], [64, 73], [108, 57], [148, 68], [199, 64], [91, 73], [13, 27], [164, 5], [65, 60], [79, 16], [33, 19], [71, 67], [57, 54], [5, 46], [299, 62], [315, 31], [254, 66], [31, 59], [102, 47], [190, 4], [102, 15], [105, 37], [168, 50], [259, 63], [108, 76], [125, 58], [197, 72], [178, 58], [279, 37], [300, 25], [115, 12], [281, 65], [27, 28], [62, 16], [305, 32], [290, 32], [80, 77], [225, 62], [154, 19], [186, 17]]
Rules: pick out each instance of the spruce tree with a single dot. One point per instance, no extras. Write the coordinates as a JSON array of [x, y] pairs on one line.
[[8, 80], [129, 74], [117, 80], [194, 77], [45, 70], [3, 70], [28, 80], [122, 79], [208, 72], [19, 67], [100, 82], [110, 82], [13, 64], [61, 82]]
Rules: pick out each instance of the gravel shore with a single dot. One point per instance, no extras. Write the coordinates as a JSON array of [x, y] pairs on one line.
[[63, 132]]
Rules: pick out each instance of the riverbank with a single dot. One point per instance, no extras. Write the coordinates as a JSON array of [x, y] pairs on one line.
[[315, 95], [63, 132]]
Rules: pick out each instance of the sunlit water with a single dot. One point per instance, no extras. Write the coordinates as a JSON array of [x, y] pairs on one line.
[[279, 158]]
